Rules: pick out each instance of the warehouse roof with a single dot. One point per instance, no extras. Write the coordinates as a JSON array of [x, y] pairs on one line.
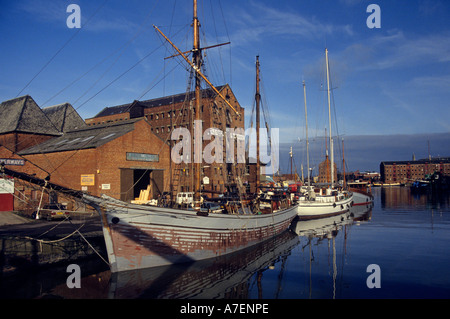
[[64, 117], [22, 114], [167, 100], [84, 138]]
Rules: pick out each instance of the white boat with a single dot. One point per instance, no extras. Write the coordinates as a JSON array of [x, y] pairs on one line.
[[318, 203], [362, 193]]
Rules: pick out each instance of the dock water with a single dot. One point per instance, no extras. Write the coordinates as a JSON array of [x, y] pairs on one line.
[[27, 244]]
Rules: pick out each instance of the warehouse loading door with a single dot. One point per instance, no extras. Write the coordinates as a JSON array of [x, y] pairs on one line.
[[141, 180], [133, 180]]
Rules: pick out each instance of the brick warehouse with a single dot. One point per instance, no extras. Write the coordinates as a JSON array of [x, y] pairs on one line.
[[116, 159], [119, 152], [407, 171], [167, 113]]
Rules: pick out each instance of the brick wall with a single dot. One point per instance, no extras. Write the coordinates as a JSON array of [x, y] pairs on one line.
[[20, 141], [403, 172], [103, 162]]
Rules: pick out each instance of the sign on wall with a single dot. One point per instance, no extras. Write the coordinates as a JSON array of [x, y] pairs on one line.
[[88, 180], [142, 157], [6, 186], [12, 161]]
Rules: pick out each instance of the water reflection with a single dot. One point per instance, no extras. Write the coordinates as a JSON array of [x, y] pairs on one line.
[[238, 275], [393, 198], [323, 232], [261, 271], [407, 235], [224, 277]]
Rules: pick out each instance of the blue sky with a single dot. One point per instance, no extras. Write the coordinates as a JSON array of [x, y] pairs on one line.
[[391, 80]]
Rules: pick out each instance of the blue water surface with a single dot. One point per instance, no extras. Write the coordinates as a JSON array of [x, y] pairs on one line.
[[406, 235]]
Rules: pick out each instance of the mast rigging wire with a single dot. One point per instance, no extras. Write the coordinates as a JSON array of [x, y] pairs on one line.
[[60, 49]]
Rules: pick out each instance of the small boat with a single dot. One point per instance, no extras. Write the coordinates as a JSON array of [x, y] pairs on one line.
[[327, 202], [319, 202], [362, 193], [420, 186]]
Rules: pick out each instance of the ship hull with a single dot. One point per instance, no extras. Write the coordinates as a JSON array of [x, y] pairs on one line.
[[307, 209], [361, 198], [139, 237]]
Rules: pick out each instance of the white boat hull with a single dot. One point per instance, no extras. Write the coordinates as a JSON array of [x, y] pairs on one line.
[[310, 209], [361, 199]]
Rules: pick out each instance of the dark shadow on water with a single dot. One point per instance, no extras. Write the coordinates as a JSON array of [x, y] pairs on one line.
[[212, 278]]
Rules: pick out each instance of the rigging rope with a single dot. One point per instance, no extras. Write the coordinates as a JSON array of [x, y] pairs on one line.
[[60, 49]]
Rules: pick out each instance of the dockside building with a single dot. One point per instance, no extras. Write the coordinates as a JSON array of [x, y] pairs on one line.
[[393, 172], [118, 152]]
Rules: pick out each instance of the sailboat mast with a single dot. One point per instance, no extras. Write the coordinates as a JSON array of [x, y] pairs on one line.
[[329, 118], [343, 163], [307, 141], [290, 155], [197, 61], [257, 100]]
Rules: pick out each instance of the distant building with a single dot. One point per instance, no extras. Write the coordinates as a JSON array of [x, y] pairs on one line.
[[407, 171], [325, 171]]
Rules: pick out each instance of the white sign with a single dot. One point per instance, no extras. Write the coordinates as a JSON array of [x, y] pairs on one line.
[[6, 186], [106, 186], [206, 180]]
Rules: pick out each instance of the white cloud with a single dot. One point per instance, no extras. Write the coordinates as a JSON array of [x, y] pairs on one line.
[[398, 50], [439, 82], [93, 18], [276, 22], [41, 10]]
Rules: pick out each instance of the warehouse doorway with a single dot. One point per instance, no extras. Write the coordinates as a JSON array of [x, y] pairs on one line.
[[133, 180]]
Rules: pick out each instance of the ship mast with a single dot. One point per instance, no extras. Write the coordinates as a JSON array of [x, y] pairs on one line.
[[329, 119], [196, 65], [197, 61], [258, 100], [307, 142]]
